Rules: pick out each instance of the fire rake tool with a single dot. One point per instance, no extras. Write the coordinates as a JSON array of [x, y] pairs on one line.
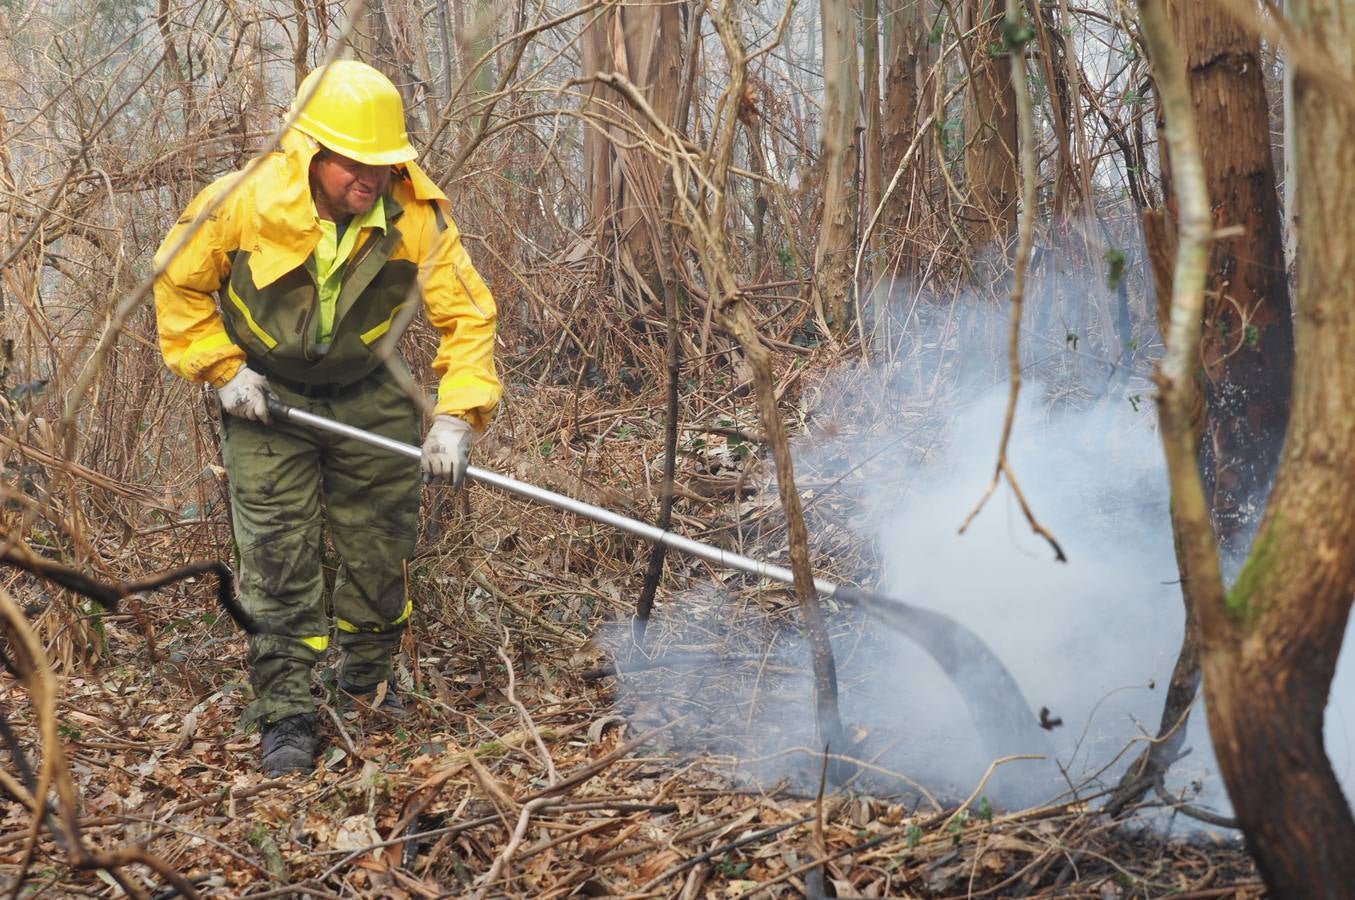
[[1000, 712]]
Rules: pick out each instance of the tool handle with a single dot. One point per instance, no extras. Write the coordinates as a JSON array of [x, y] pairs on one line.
[[281, 412], [276, 408], [1000, 710]]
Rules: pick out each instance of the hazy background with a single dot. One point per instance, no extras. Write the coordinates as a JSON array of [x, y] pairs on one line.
[[897, 453]]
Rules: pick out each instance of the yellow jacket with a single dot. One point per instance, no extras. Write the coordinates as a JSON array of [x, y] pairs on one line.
[[250, 254]]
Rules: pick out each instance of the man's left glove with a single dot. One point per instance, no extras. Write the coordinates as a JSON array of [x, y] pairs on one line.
[[243, 395], [446, 450]]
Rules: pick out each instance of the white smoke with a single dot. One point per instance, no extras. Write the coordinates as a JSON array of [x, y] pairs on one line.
[[899, 463]]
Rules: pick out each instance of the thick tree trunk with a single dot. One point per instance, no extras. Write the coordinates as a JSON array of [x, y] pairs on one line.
[[1269, 657], [990, 126], [1265, 714], [644, 43], [1269, 646], [906, 59], [1248, 343], [833, 259]]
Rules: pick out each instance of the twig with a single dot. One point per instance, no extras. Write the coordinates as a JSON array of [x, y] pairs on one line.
[[855, 763], [1025, 240], [992, 767], [766, 886], [526, 615], [603, 762], [519, 832], [671, 660], [301, 887], [1193, 812], [343, 732], [110, 596], [55, 772], [815, 880], [546, 760], [747, 839]]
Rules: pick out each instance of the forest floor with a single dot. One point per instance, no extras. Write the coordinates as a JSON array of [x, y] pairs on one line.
[[529, 766]]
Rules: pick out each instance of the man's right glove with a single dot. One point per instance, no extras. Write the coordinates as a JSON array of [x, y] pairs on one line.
[[243, 395], [446, 450]]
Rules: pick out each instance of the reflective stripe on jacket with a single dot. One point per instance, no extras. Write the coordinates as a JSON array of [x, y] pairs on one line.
[[240, 286]]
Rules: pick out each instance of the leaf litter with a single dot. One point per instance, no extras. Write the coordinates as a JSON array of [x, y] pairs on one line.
[[558, 790]]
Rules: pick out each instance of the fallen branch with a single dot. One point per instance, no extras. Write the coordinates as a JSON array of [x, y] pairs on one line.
[[110, 595], [32, 668], [756, 836], [527, 722]]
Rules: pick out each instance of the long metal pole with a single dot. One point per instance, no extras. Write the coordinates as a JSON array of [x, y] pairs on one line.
[[999, 709], [568, 504]]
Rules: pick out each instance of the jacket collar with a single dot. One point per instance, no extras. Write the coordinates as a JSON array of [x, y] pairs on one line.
[[283, 229]]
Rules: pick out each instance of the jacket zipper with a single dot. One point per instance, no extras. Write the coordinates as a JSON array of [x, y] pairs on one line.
[[363, 252], [308, 323]]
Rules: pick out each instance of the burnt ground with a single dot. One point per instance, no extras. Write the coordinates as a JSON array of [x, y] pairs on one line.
[[529, 767], [561, 797]]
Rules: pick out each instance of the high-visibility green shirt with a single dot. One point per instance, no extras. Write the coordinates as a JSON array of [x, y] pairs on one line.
[[330, 256]]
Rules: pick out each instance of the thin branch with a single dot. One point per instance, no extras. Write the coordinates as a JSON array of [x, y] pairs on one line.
[[1175, 373], [552, 776], [1018, 33]]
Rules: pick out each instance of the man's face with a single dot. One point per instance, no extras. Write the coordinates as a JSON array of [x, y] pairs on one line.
[[343, 188]]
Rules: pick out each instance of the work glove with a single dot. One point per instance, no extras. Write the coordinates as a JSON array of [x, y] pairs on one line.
[[446, 450], [243, 395]]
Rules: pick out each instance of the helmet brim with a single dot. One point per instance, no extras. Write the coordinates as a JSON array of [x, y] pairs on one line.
[[389, 158]]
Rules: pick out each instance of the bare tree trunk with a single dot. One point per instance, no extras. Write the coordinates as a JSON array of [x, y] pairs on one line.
[[301, 47], [1150, 767], [1270, 656], [1269, 646], [833, 256], [1246, 339], [871, 155], [644, 43], [709, 239], [1247, 344], [990, 126], [664, 256], [1291, 211], [362, 41], [906, 59], [1053, 53], [738, 319], [404, 34], [476, 39]]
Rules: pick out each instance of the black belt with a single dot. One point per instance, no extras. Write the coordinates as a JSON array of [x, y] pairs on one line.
[[322, 391]]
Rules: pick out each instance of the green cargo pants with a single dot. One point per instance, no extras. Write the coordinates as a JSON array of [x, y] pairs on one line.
[[284, 478]]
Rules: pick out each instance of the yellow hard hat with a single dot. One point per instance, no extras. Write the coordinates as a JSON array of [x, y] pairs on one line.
[[356, 111]]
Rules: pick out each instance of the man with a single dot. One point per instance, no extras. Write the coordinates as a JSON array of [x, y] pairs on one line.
[[296, 285]]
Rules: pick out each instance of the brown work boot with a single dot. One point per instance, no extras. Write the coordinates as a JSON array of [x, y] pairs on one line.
[[353, 698], [289, 745]]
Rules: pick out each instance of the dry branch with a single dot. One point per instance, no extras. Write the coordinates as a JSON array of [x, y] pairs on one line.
[[110, 596]]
